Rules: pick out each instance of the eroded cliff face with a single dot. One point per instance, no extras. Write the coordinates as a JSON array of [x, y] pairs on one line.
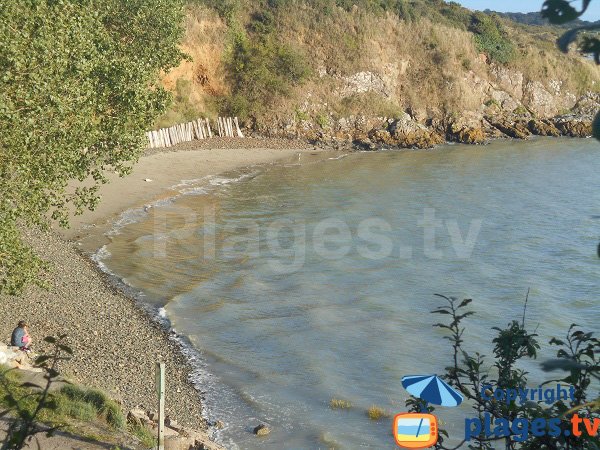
[[404, 84]]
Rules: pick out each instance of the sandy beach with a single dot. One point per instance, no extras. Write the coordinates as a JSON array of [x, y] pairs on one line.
[[166, 168], [115, 343]]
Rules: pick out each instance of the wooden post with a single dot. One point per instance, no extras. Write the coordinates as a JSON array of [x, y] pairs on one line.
[[195, 128], [237, 127], [160, 388], [163, 137], [201, 129], [208, 126], [163, 140]]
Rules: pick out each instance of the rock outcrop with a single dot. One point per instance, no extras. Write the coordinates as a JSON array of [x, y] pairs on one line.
[[14, 358], [574, 126], [426, 128], [543, 127]]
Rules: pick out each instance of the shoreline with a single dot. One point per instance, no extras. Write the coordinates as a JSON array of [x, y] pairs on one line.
[[115, 339], [157, 173]]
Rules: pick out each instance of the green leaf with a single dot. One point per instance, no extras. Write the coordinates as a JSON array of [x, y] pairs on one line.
[[559, 11]]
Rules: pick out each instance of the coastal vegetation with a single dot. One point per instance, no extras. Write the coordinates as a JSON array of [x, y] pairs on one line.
[[88, 413], [271, 59]]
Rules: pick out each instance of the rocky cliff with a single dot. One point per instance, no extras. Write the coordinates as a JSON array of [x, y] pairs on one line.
[[380, 77]]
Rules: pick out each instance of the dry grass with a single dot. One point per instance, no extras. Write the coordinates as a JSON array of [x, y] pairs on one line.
[[430, 67]]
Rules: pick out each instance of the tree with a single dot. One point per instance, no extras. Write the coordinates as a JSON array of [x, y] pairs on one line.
[[79, 85], [560, 12]]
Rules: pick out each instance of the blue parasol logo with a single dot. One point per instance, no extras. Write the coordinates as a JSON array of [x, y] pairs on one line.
[[432, 389]]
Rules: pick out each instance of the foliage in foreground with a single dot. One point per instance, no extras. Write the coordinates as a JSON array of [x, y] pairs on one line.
[[469, 371], [79, 86]]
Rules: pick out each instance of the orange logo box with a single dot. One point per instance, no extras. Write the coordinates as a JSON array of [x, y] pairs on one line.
[[413, 430]]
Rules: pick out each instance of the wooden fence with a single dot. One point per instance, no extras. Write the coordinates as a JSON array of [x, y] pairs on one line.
[[197, 129]]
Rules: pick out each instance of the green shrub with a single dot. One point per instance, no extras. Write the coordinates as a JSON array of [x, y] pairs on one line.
[[322, 120], [114, 416], [491, 39], [227, 9], [521, 110], [301, 115], [261, 69]]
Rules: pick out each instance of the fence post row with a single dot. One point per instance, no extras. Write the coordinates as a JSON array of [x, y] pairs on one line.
[[197, 129]]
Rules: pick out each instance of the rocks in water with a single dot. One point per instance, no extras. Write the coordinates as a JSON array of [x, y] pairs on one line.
[[409, 133], [405, 132], [471, 136], [467, 129], [511, 107], [261, 430], [364, 143], [587, 105], [218, 424], [574, 126], [512, 128], [543, 127]]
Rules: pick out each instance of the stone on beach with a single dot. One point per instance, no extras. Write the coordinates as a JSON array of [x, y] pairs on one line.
[[14, 358]]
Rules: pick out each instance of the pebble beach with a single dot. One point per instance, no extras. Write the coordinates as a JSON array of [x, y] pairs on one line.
[[116, 343]]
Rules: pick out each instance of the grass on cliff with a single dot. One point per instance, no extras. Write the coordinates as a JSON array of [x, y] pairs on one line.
[[269, 59], [71, 404]]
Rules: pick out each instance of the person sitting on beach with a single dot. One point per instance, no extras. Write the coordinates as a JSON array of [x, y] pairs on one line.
[[20, 337]]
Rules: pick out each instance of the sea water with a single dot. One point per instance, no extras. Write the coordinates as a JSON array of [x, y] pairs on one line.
[[301, 283]]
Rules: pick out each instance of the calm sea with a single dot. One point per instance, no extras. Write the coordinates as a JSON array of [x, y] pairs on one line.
[[300, 283]]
